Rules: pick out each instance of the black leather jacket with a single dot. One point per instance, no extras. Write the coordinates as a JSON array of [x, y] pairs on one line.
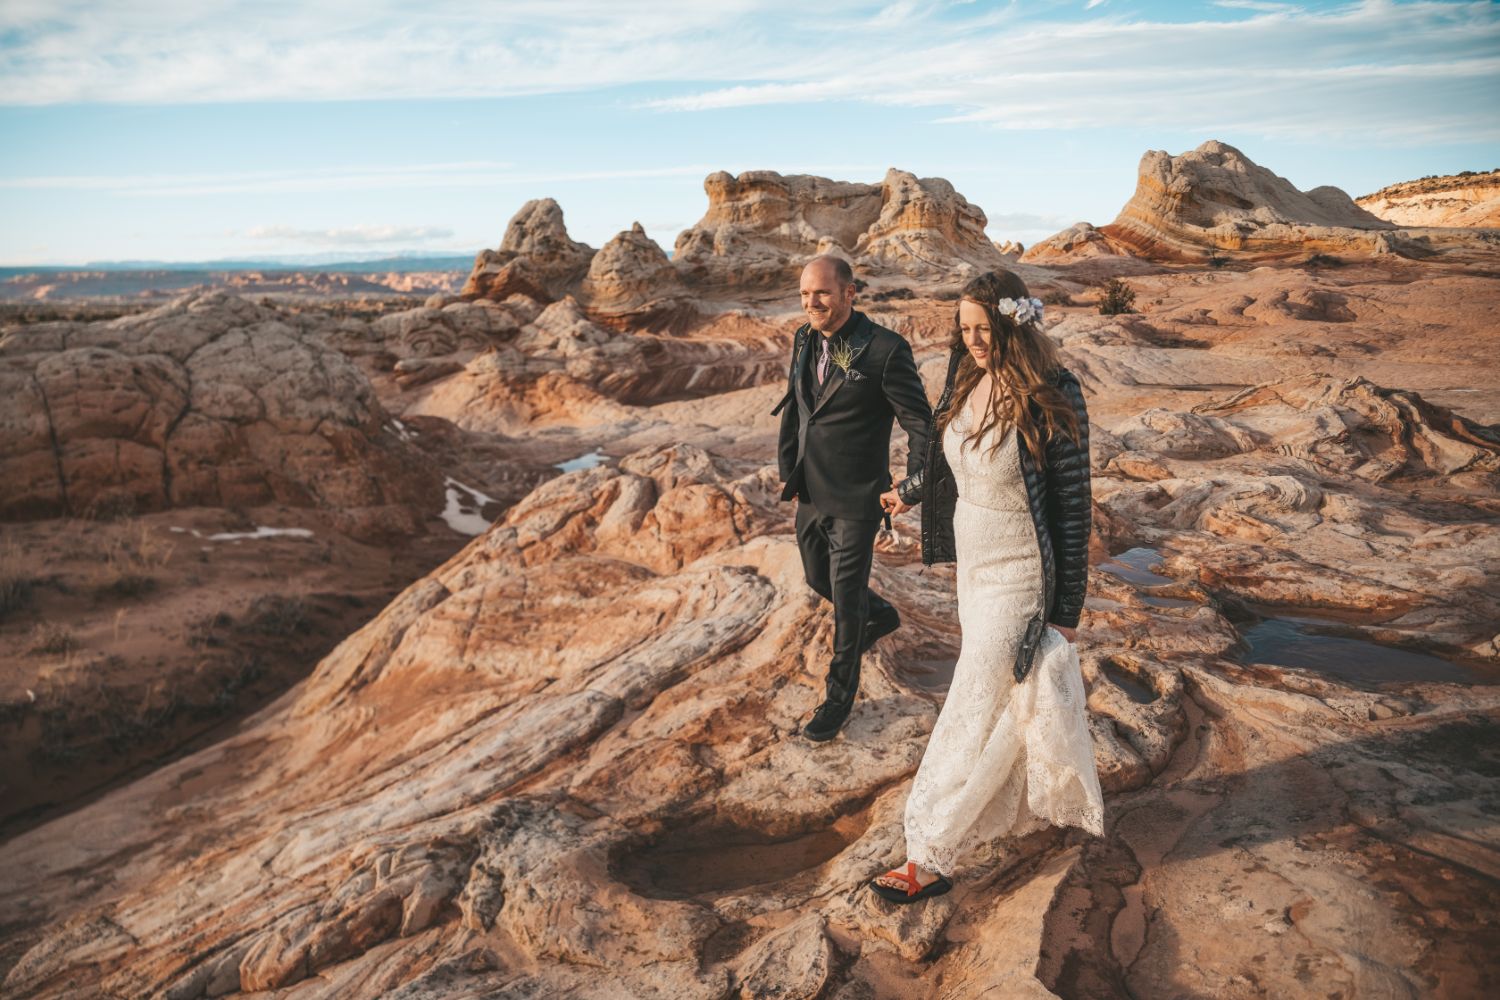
[[1061, 509]]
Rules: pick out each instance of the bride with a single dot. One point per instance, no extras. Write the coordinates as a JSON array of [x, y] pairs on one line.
[[1005, 491]]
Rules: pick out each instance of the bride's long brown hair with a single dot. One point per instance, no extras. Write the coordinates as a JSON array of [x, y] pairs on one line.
[[1021, 365]]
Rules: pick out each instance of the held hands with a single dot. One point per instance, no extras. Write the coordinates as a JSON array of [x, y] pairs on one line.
[[890, 502], [1070, 634]]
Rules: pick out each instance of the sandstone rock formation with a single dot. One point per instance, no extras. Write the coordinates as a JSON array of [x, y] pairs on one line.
[[562, 367], [1215, 201], [207, 401], [927, 231], [1266, 506], [631, 276], [1470, 199], [760, 226], [1078, 241], [758, 231], [536, 258], [1215, 198]]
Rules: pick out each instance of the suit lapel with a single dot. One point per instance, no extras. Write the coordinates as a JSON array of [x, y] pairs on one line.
[[858, 341], [803, 385]]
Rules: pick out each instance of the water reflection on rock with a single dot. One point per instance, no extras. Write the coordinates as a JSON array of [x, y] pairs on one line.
[[1310, 644]]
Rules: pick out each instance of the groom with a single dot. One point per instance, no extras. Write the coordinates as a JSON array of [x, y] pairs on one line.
[[849, 378]]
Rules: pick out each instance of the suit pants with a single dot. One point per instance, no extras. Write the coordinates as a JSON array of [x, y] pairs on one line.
[[836, 557]]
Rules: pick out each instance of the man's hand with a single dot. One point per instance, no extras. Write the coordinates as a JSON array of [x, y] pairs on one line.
[[890, 502], [1070, 634]]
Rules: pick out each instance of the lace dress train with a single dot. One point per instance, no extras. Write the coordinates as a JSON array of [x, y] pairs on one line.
[[1004, 759]]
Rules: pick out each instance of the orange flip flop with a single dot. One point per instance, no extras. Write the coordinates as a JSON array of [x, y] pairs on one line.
[[914, 890]]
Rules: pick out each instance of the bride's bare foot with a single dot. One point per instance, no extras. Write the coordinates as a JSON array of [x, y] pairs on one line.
[[924, 878]]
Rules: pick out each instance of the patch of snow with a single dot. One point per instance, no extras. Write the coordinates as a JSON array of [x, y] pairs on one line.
[[462, 511], [261, 531], [399, 429]]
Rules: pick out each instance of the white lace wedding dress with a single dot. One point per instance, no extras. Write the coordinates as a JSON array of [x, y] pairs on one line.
[[1004, 758]]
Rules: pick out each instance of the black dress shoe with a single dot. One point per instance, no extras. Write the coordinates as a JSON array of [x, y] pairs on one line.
[[878, 628], [826, 722]]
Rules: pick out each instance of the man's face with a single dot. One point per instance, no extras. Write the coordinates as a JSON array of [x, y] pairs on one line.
[[825, 299]]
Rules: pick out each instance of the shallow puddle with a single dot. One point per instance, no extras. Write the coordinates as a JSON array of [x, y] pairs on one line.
[[1305, 643], [1134, 565], [699, 861], [588, 461], [1168, 602], [1138, 692]]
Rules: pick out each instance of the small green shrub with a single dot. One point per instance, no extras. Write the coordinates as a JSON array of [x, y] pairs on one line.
[[1118, 298]]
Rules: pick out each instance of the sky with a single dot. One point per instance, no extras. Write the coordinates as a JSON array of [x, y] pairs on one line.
[[161, 130]]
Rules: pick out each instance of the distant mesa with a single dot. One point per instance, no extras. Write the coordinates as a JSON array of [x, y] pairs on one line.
[[1215, 200], [759, 230], [1469, 200]]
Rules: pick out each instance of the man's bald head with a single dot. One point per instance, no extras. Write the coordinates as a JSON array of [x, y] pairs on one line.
[[827, 292], [842, 272]]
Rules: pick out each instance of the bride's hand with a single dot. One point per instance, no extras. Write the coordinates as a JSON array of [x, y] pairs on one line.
[[890, 502], [1070, 634]]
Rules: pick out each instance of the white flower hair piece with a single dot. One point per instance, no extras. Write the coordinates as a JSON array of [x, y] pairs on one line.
[[1021, 310]]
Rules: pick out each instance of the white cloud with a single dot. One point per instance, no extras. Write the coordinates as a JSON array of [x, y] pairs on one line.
[[1412, 72], [1276, 69], [155, 51], [1265, 6], [346, 236]]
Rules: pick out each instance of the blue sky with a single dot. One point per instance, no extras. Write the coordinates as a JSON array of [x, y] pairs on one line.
[[164, 130]]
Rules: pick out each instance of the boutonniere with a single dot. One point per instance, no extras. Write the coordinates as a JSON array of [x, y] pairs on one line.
[[843, 356]]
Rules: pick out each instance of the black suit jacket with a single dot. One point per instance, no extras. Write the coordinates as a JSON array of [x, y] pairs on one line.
[[835, 444]]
